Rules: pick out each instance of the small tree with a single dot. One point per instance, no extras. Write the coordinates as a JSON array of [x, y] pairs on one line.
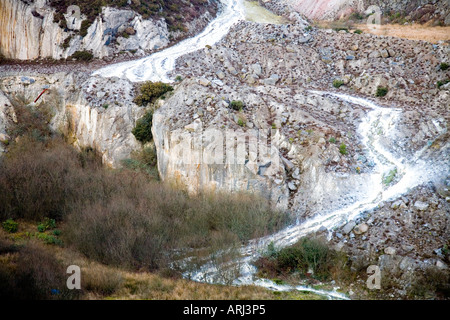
[[143, 129], [150, 91]]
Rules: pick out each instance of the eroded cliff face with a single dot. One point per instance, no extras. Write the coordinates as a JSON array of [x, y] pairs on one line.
[[28, 31], [25, 35], [204, 144], [91, 112]]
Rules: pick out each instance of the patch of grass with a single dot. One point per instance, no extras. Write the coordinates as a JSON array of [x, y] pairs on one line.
[[241, 122], [390, 177], [358, 31], [337, 83], [10, 226], [237, 105], [46, 225], [343, 149], [332, 140]]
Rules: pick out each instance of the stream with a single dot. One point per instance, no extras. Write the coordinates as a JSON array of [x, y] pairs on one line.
[[378, 124]]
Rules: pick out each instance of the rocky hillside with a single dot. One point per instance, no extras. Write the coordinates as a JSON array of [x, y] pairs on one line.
[[397, 11], [46, 29]]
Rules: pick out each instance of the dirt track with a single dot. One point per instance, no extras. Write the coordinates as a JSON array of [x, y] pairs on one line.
[[411, 32]]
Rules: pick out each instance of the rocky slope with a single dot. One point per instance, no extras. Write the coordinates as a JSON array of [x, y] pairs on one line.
[[30, 30], [269, 69], [418, 10]]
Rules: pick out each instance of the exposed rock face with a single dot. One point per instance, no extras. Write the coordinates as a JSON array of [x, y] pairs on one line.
[[96, 112], [26, 36]]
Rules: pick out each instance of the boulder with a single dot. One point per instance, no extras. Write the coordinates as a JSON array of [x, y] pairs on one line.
[[361, 228]]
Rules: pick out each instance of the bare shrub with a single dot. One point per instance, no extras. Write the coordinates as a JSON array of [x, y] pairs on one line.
[[33, 274]]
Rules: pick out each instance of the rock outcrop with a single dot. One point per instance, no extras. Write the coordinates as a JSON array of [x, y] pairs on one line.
[[94, 112], [28, 31]]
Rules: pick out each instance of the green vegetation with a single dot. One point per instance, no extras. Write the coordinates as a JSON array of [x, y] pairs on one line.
[[237, 105], [85, 24], [169, 10], [82, 56], [443, 66], [121, 217], [433, 281], [10, 226], [390, 177], [440, 83], [150, 91], [241, 122], [46, 225], [178, 78], [341, 29], [358, 31], [143, 161], [343, 149], [66, 42], [308, 28], [332, 140], [337, 83], [143, 129], [307, 255], [381, 91]]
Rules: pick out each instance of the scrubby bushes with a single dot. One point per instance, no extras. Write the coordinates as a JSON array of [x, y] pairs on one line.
[[31, 272], [82, 56], [443, 66], [307, 255], [381, 91], [143, 129], [343, 149], [441, 83], [237, 105], [10, 226], [139, 227], [337, 83], [150, 91]]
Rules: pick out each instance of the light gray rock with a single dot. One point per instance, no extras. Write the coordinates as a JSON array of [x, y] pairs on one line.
[[390, 250], [421, 206], [348, 227]]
